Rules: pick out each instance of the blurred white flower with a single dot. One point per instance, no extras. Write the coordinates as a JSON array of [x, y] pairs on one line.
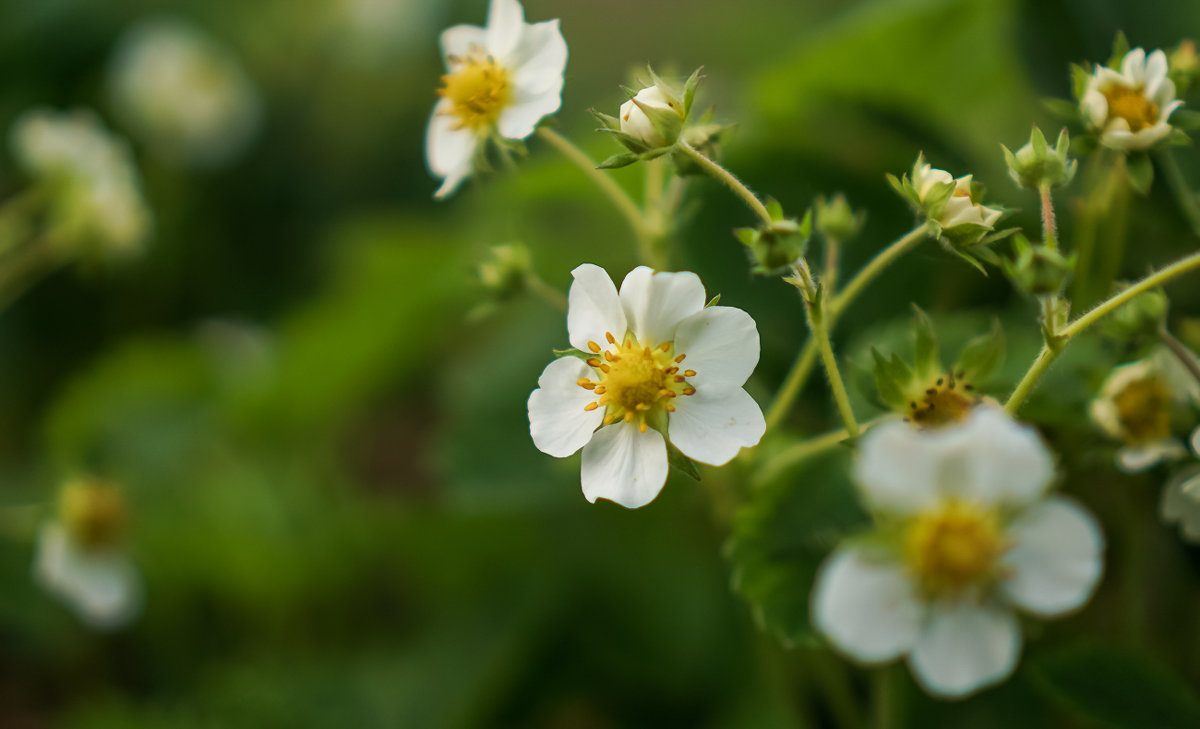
[[183, 94], [500, 81], [1135, 405], [1181, 498], [960, 209], [968, 538], [81, 560], [96, 197], [663, 365], [1129, 108]]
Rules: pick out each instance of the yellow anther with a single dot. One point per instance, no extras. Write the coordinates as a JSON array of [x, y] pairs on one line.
[[689, 390], [600, 389], [585, 383], [593, 362], [642, 427], [611, 339], [680, 358], [609, 418], [594, 347], [689, 373], [665, 346], [591, 406], [680, 378], [628, 416], [669, 408], [610, 357]]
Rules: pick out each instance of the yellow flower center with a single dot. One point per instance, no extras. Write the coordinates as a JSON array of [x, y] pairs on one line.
[[479, 90], [948, 401], [953, 546], [93, 513], [1143, 410], [636, 382], [1131, 105]]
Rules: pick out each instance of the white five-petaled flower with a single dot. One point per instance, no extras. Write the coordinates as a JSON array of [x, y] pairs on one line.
[[960, 209], [1135, 406], [81, 560], [183, 93], [97, 198], [662, 366], [1129, 108], [967, 537], [501, 79]]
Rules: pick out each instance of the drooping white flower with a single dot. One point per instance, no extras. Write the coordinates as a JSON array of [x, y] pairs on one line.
[[1129, 108], [500, 80], [663, 366], [183, 93], [81, 560], [961, 208], [968, 538], [1135, 405], [96, 192]]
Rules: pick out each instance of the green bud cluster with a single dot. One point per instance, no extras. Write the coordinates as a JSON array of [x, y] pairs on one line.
[[836, 220], [774, 248], [1036, 165], [506, 272], [1037, 269]]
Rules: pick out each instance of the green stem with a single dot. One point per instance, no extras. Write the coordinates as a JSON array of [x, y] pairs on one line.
[[834, 681], [1181, 352], [875, 267], [725, 176], [615, 193], [546, 292], [1184, 196], [802, 368], [816, 323], [886, 698], [1052, 349], [804, 450]]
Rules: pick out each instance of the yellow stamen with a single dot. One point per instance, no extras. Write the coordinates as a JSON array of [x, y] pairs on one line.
[[953, 546], [1131, 105], [478, 89]]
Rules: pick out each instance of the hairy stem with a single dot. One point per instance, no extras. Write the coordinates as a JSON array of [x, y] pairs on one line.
[[726, 177]]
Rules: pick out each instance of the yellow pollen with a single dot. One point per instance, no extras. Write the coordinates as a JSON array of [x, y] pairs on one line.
[[594, 347], [1143, 409], [954, 546], [1131, 105], [637, 381], [479, 89], [591, 406]]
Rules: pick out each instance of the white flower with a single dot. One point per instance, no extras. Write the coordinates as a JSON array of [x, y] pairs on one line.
[[183, 93], [80, 560], [636, 124], [501, 79], [970, 539], [97, 196], [1135, 405], [664, 364], [960, 209], [1129, 109]]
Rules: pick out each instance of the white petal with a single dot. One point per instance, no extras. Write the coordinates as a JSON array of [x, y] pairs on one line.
[[1055, 562], [1181, 503], [655, 303], [519, 119], [868, 609], [711, 425], [449, 151], [1006, 462], [964, 647], [1133, 459], [103, 588], [624, 465], [538, 63], [1196, 441], [593, 308], [1095, 108], [1156, 66], [1133, 66], [557, 421], [898, 465], [721, 344], [506, 24], [462, 41]]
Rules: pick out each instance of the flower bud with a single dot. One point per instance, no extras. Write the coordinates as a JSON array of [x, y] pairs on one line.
[[1139, 319], [1037, 269], [774, 248], [653, 116], [1036, 165], [506, 272], [836, 220]]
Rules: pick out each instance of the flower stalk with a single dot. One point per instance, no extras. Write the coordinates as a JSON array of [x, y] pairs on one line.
[[726, 177]]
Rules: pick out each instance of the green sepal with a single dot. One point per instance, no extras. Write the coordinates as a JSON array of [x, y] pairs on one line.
[[633, 144], [926, 358], [689, 90], [682, 463], [1062, 109], [1120, 48], [982, 355], [609, 121], [1179, 138], [892, 379], [1079, 80], [1186, 119], [713, 301], [667, 123], [619, 160], [572, 352], [1140, 171]]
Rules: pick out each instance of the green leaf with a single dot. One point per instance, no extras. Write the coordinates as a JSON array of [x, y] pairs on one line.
[[685, 465], [1117, 688], [1186, 119], [1141, 172], [781, 536]]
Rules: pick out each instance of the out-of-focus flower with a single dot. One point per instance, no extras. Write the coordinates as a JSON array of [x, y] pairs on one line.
[[967, 537], [80, 556], [95, 193], [1181, 498], [500, 81], [960, 207], [1135, 406], [660, 365], [1129, 108], [183, 94]]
